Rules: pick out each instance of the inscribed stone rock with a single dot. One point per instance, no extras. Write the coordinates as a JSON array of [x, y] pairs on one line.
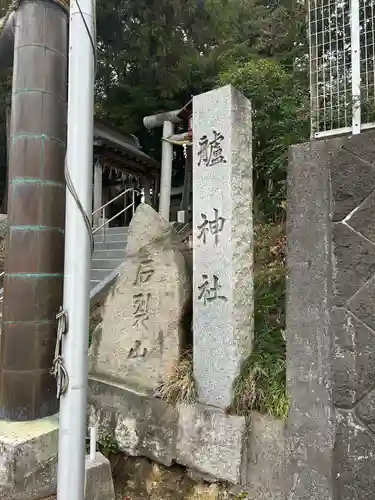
[[142, 335]]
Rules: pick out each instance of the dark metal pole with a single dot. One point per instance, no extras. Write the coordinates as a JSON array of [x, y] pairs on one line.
[[188, 181], [33, 285], [4, 204]]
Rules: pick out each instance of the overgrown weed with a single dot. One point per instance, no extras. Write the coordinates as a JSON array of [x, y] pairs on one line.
[[261, 383], [179, 386]]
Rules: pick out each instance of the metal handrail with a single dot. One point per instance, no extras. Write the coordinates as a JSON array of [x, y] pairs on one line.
[[103, 210], [113, 218], [113, 199]]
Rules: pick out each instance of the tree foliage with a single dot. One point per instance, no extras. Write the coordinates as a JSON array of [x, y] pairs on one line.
[[154, 55], [280, 119]]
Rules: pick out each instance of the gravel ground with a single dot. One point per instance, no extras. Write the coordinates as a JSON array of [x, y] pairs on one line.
[[142, 479]]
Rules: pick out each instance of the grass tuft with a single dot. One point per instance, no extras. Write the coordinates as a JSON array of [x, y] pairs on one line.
[[108, 445], [179, 386], [261, 384]]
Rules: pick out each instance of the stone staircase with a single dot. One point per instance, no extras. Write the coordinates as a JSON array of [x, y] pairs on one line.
[[109, 253]]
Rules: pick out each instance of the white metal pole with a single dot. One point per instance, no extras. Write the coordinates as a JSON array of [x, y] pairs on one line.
[[92, 443], [166, 171], [356, 67], [98, 188], [72, 428]]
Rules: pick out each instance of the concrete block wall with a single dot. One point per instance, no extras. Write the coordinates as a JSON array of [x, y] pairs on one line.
[[331, 319]]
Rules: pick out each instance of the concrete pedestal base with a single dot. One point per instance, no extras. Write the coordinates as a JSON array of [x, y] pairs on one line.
[[28, 458], [28, 463], [99, 482]]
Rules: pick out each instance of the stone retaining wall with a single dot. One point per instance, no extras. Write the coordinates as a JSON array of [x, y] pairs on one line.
[[331, 319], [210, 443]]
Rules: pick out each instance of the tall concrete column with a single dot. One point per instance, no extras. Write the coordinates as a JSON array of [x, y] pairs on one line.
[[98, 192], [33, 285]]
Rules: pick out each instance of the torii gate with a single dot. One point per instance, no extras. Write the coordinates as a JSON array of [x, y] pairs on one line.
[[168, 121]]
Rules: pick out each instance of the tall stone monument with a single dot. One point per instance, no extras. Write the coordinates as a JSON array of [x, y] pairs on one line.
[[222, 236]]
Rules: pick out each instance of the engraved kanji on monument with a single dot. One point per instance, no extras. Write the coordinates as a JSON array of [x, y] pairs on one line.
[[222, 241], [141, 336]]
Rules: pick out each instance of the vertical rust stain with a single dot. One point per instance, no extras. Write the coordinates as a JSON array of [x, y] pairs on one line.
[[33, 284]]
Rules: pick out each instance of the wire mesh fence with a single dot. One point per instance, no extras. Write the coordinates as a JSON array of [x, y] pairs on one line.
[[342, 66]]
